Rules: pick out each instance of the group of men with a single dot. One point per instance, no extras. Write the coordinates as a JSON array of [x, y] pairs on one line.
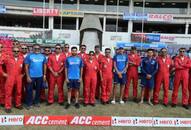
[[22, 72]]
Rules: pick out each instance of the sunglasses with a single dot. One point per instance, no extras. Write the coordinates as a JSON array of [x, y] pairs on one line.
[[37, 48], [66, 47], [57, 48], [47, 50], [16, 51], [107, 52], [182, 51], [24, 48]]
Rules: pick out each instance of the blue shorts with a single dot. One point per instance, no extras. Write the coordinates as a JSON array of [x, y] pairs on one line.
[[145, 83], [121, 81], [73, 84]]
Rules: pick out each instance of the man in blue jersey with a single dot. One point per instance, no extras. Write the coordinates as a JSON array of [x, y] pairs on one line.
[[120, 69], [73, 73], [149, 68], [35, 66]]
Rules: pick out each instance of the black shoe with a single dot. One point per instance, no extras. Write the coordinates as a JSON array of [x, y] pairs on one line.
[[166, 105], [135, 100], [125, 99], [92, 104], [8, 110], [67, 106], [61, 104], [185, 106], [154, 103], [2, 105], [48, 104], [77, 105], [28, 107], [19, 107], [103, 103], [85, 104], [173, 105], [37, 105], [107, 102]]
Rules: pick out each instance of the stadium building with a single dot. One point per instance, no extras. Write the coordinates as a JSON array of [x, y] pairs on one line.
[[141, 23]]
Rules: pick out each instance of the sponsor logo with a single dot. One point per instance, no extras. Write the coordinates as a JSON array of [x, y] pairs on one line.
[[45, 120], [90, 120], [11, 120]]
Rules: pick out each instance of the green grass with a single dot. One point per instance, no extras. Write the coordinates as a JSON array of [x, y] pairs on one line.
[[128, 109]]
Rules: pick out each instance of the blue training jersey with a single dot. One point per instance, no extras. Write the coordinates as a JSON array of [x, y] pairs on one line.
[[74, 65], [121, 61], [35, 62]]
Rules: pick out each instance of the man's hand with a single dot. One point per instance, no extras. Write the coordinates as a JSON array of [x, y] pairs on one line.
[[5, 75], [120, 75], [29, 80], [148, 76], [67, 81], [80, 80], [44, 78]]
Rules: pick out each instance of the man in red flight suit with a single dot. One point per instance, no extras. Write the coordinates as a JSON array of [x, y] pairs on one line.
[[132, 73], [91, 70], [182, 66], [98, 56], [66, 51], [14, 69], [2, 76], [56, 67], [106, 73], [162, 77], [84, 56]]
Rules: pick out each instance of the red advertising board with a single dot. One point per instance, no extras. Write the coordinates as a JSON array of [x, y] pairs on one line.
[[89, 120], [46, 120], [45, 12]]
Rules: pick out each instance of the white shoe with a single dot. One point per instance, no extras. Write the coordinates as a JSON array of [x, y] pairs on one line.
[[121, 102], [113, 102]]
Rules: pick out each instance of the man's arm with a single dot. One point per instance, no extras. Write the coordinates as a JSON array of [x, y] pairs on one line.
[[27, 73]]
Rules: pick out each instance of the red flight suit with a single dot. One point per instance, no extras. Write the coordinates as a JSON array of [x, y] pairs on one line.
[[98, 85], [106, 69], [84, 56], [91, 70], [14, 71], [162, 77], [2, 79], [182, 67], [132, 74], [56, 66], [189, 87]]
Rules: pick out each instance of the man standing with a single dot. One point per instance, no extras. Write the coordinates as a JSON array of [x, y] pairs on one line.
[[47, 52], [149, 68], [35, 65], [132, 73], [56, 67], [73, 73], [120, 68], [182, 65], [162, 76], [83, 56], [106, 75], [66, 50], [91, 69], [14, 67], [98, 56], [2, 76]]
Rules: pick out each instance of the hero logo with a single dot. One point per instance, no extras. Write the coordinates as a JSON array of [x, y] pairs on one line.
[[37, 120], [81, 120]]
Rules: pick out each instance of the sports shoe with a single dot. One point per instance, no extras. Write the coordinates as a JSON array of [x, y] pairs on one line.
[[77, 105], [67, 106], [121, 102], [113, 102]]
